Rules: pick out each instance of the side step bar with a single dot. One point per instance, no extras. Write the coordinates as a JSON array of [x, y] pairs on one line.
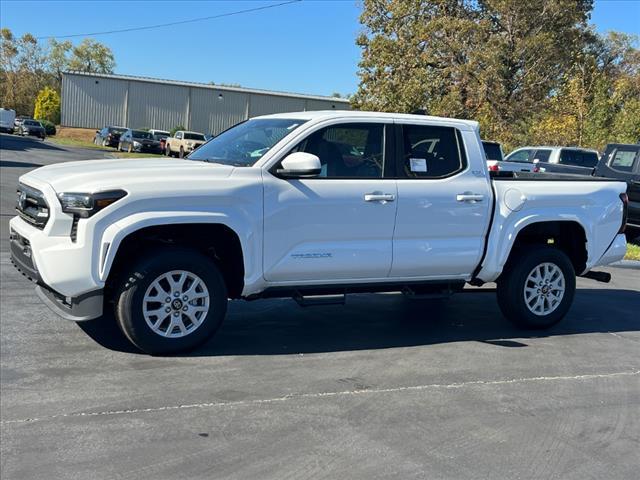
[[320, 300], [603, 277]]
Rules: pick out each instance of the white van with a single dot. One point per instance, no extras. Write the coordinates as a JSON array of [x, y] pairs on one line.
[[7, 117]]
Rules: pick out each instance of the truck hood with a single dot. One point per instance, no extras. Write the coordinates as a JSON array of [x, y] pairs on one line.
[[88, 176]]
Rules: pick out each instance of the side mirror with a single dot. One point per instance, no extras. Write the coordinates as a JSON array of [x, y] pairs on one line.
[[300, 165]]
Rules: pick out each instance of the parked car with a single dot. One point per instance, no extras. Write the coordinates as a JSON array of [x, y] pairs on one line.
[[108, 136], [573, 160], [622, 162], [161, 136], [30, 127], [139, 141], [493, 152], [183, 142], [7, 117], [272, 208]]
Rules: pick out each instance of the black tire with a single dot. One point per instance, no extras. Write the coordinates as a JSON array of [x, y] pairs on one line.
[[181, 152], [133, 287], [511, 285]]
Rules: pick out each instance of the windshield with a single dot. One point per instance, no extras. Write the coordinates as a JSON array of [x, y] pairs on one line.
[[246, 143], [119, 131], [194, 136], [32, 123], [160, 135], [141, 134]]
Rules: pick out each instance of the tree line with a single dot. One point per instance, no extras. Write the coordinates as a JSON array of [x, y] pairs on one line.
[[31, 72], [531, 72]]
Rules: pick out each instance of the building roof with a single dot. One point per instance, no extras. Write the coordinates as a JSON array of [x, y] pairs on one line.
[[208, 85]]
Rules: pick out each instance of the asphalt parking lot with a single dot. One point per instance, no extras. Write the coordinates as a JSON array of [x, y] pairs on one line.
[[383, 387]]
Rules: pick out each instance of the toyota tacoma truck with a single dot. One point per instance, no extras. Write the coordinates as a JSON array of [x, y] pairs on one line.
[[309, 205], [183, 143]]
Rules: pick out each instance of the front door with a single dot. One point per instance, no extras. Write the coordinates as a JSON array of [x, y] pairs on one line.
[[443, 204], [338, 226]]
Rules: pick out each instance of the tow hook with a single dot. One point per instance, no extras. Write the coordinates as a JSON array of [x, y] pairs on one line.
[[603, 277]]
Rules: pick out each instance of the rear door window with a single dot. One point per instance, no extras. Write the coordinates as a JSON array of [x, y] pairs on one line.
[[431, 152]]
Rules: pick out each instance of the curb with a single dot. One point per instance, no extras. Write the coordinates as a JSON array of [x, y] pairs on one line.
[[633, 264]]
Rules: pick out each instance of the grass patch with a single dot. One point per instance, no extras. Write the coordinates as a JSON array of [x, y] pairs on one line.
[[633, 252], [73, 142]]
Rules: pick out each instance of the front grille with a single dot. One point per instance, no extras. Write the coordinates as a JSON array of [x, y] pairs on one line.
[[74, 228], [32, 206]]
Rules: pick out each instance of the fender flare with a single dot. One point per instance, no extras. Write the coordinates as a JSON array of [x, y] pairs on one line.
[[114, 234], [501, 245]]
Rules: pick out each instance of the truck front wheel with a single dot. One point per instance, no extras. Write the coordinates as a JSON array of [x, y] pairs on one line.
[[171, 300], [537, 287]]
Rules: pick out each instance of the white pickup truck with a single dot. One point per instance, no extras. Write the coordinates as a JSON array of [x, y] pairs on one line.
[[307, 204]]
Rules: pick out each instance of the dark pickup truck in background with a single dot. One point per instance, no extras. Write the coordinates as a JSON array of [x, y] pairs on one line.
[[622, 162]]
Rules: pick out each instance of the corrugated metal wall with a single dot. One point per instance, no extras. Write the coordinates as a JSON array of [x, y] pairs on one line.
[[94, 101], [213, 111], [153, 105]]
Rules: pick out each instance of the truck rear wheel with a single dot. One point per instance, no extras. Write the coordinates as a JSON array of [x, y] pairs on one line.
[[172, 300], [537, 287]]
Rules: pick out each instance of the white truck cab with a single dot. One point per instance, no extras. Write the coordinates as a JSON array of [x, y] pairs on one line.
[[304, 204]]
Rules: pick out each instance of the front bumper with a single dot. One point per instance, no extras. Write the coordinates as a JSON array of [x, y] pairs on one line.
[[87, 306]]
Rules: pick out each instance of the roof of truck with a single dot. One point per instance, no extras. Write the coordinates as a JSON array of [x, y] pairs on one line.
[[355, 114]]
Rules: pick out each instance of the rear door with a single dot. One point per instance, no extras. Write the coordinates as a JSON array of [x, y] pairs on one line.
[[443, 205]]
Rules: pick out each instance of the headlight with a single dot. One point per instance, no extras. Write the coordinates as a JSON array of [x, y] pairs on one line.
[[86, 204], [136, 144]]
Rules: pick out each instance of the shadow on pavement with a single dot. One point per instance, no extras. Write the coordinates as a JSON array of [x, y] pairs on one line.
[[281, 327], [16, 143], [10, 164]]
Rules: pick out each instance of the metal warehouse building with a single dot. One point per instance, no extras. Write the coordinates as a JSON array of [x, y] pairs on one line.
[[95, 100]]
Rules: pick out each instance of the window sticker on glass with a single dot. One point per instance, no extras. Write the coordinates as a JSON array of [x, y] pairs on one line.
[[418, 164]]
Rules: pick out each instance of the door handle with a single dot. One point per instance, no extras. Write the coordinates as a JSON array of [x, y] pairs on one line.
[[469, 197], [379, 197]]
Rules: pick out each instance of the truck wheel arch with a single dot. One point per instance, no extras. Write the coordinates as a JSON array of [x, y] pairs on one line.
[[217, 240], [568, 236]]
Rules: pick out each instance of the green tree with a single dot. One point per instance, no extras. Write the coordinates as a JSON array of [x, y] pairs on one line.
[[48, 105], [493, 60], [92, 56], [599, 99], [58, 58]]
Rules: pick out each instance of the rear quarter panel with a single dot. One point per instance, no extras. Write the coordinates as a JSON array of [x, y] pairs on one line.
[[594, 205]]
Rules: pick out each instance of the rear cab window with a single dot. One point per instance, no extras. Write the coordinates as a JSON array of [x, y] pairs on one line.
[[578, 158], [542, 155], [431, 152]]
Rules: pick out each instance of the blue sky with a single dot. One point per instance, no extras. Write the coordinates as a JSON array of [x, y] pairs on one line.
[[306, 47]]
